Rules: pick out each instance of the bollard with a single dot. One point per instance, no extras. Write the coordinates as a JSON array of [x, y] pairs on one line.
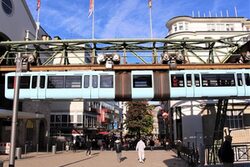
[[25, 148], [1, 163], [18, 152], [53, 149]]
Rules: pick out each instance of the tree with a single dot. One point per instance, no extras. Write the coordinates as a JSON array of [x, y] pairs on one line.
[[139, 120]]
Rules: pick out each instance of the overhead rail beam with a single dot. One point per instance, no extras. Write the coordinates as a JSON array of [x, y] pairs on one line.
[[83, 53], [130, 67]]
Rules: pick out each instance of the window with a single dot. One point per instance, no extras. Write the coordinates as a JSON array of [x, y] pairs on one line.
[[247, 78], [235, 119], [217, 80], [229, 27], [186, 26], [7, 6], [175, 28], [220, 27], [58, 118], [55, 82], [189, 80], [177, 80], [79, 118], [197, 80], [11, 81], [34, 81], [142, 81], [86, 81], [42, 81], [239, 80], [52, 118], [211, 27], [106, 81], [25, 82], [181, 27], [73, 81], [95, 81]]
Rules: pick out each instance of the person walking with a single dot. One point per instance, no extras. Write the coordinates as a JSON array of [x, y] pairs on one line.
[[152, 144], [89, 147], [140, 146], [118, 150], [226, 153]]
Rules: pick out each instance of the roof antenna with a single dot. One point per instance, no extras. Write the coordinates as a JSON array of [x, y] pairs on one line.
[[199, 14], [210, 15], [221, 15], [204, 14], [192, 13], [216, 14], [235, 11], [227, 13]]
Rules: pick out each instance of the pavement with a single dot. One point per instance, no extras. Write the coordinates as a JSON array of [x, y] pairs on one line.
[[155, 158]]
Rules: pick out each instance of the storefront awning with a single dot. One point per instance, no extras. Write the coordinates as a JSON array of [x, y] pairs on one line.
[[21, 115]]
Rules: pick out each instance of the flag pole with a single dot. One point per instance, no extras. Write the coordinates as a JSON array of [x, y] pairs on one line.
[[93, 21], [150, 19], [37, 20]]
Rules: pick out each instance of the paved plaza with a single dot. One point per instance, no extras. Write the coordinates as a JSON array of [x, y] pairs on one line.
[[156, 158]]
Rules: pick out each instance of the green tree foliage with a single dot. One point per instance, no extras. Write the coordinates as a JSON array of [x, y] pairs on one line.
[[139, 120]]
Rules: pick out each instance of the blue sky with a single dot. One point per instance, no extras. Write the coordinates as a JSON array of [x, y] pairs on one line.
[[124, 18]]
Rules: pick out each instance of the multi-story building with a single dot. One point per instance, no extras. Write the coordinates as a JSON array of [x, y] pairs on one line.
[[18, 24], [194, 119]]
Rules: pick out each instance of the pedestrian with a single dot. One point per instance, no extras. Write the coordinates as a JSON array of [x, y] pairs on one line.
[[88, 147], [140, 146], [118, 149], [152, 144], [179, 148], [226, 153]]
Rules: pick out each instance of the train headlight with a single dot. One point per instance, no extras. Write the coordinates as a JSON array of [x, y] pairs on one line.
[[116, 58], [101, 58], [165, 57]]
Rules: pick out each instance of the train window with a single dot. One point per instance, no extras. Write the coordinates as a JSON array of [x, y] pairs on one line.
[[142, 81], [25, 82], [95, 81], [11, 81], [55, 82], [197, 80], [86, 81], [177, 80], [247, 79], [106, 81], [42, 81], [189, 80], [34, 81], [217, 80], [73, 82], [239, 79]]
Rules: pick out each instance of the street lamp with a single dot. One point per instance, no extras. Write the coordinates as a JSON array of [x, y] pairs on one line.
[[20, 60]]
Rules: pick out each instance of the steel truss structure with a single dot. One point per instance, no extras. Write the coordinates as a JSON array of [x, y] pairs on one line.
[[149, 52]]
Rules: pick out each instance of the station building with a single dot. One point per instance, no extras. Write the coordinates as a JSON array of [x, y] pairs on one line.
[[194, 120]]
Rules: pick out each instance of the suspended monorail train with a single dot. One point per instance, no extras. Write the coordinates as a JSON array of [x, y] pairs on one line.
[[131, 85]]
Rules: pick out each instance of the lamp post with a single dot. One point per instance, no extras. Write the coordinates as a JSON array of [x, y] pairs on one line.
[[15, 110]]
